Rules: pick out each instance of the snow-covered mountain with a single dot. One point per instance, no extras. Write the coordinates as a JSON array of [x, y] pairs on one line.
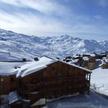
[[19, 45]]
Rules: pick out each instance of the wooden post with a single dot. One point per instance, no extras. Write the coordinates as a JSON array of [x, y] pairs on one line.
[[89, 83]]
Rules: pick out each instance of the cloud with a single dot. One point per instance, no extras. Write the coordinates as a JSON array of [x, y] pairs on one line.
[[44, 6], [30, 24], [103, 3], [34, 22], [39, 17]]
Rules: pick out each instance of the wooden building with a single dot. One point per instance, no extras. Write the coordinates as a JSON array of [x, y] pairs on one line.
[[48, 78], [8, 76], [54, 80]]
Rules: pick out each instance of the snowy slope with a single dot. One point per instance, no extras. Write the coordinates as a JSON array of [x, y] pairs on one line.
[[99, 80], [19, 45]]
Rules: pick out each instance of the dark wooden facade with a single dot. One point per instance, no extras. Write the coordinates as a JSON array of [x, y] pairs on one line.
[[58, 79], [7, 84]]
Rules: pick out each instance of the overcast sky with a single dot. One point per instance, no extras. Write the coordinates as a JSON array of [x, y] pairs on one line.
[[84, 18]]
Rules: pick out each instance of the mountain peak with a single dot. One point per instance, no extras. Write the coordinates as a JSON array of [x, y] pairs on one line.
[[19, 45]]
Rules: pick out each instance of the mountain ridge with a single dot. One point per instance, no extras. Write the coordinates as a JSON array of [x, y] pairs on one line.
[[21, 46]]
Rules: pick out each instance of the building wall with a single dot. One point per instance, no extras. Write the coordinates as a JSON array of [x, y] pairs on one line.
[[56, 80], [7, 84]]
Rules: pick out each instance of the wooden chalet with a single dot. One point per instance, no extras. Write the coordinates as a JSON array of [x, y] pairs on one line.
[[56, 79], [8, 76], [48, 78]]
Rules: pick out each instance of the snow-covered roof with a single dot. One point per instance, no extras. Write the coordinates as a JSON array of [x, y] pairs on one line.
[[105, 59], [38, 65], [85, 58], [27, 68], [34, 66], [92, 55], [77, 66], [8, 68]]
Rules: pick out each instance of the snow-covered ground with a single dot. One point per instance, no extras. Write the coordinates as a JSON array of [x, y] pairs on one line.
[[81, 101], [99, 80]]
